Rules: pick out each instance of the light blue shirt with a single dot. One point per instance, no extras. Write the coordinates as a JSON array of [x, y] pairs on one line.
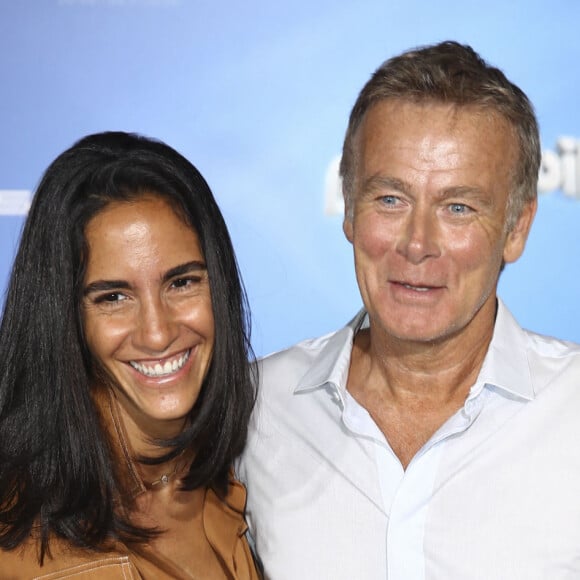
[[494, 494]]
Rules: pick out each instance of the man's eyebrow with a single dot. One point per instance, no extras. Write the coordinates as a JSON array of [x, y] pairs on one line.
[[465, 191], [379, 182]]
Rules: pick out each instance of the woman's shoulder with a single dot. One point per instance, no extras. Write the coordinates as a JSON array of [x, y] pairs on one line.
[[65, 561], [226, 530]]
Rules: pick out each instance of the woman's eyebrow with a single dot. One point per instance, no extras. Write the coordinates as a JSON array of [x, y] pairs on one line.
[[108, 285], [104, 286], [193, 266]]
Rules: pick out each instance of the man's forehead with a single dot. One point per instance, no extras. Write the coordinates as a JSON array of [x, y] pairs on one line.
[[432, 128], [452, 112]]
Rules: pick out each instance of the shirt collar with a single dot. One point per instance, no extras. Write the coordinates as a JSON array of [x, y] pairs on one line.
[[332, 364], [505, 366]]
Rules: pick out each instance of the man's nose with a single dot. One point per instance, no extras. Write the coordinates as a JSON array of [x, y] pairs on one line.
[[420, 236]]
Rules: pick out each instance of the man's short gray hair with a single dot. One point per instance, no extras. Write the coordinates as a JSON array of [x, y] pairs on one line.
[[453, 73]]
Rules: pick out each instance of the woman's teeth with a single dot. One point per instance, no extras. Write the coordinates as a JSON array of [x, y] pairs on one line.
[[161, 370]]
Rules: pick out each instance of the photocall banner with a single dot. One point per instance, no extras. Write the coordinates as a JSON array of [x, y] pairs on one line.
[[257, 96]]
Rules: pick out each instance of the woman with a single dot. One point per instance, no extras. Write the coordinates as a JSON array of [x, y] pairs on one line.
[[125, 389]]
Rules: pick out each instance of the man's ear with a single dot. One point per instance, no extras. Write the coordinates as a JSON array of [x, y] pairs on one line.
[[347, 228], [516, 238]]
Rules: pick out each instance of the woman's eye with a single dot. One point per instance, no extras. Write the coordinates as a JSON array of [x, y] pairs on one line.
[[185, 282], [110, 297], [181, 283]]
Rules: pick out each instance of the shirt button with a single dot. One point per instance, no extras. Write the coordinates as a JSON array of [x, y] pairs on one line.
[[334, 395]]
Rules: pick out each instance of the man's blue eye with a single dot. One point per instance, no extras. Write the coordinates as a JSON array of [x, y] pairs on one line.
[[458, 208], [389, 200]]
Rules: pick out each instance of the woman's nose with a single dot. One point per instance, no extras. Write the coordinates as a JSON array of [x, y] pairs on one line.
[[156, 327]]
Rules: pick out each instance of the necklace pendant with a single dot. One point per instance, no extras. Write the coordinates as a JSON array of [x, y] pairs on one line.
[[164, 479]]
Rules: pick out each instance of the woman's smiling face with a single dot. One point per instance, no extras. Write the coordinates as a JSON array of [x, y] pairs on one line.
[[147, 312]]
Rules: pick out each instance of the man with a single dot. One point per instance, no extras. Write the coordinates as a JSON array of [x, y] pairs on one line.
[[432, 437]]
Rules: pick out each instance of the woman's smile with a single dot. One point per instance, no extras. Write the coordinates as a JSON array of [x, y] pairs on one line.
[[148, 315], [162, 367]]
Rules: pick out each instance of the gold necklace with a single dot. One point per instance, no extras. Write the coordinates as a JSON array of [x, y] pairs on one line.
[[166, 477]]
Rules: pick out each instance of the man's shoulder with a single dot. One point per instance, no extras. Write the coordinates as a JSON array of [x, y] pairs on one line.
[[304, 366], [546, 356], [552, 351], [553, 361], [298, 356], [553, 347]]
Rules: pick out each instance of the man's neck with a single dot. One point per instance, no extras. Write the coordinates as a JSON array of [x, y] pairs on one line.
[[434, 370], [411, 388]]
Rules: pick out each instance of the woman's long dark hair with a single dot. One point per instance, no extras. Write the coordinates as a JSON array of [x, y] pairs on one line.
[[55, 466]]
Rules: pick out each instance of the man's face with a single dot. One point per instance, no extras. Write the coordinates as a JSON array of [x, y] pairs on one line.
[[428, 228]]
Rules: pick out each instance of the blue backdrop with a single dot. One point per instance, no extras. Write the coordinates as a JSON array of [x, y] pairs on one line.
[[257, 95]]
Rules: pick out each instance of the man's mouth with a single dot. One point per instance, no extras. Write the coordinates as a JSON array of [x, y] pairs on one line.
[[158, 369], [417, 288]]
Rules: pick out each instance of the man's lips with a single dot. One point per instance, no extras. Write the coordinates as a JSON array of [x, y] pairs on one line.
[[416, 286]]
